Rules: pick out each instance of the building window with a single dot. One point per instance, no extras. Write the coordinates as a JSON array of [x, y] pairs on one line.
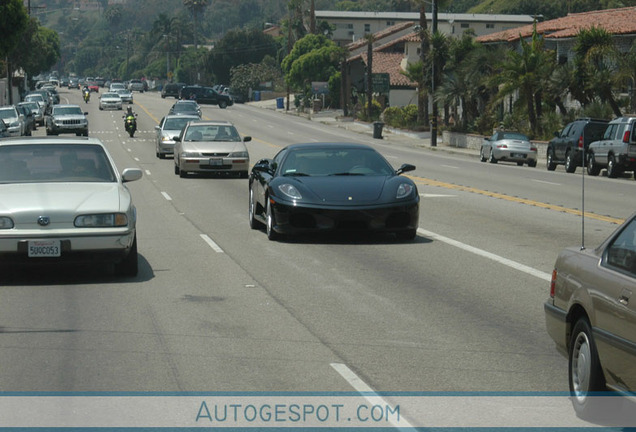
[[490, 26], [367, 28], [390, 23], [350, 26], [465, 25]]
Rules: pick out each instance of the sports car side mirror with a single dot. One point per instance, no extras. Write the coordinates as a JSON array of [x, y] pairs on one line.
[[405, 168], [263, 165]]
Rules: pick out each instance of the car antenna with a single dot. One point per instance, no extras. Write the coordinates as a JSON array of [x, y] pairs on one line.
[[583, 165]]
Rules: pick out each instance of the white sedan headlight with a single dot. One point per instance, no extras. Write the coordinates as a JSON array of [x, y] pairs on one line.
[[290, 191], [190, 154], [106, 220], [6, 222], [239, 154], [404, 190]]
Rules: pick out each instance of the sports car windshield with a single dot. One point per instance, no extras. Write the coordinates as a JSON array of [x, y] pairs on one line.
[[45, 163], [335, 162], [513, 136]]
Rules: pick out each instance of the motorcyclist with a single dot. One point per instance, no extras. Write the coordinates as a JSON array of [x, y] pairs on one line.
[[87, 94], [130, 121]]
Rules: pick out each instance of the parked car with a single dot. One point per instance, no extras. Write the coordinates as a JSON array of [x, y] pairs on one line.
[[39, 99], [38, 112], [125, 95], [185, 107], [567, 146], [110, 100], [615, 150], [510, 147], [65, 202], [136, 85], [29, 118], [591, 316], [47, 99], [170, 127], [206, 95], [13, 119], [67, 118], [211, 147], [4, 130], [171, 89], [318, 187]]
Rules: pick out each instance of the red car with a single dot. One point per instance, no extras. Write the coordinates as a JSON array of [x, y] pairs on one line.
[[93, 86]]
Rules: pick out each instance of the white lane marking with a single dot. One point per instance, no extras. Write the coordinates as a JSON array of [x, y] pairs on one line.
[[501, 260], [425, 195], [166, 196], [136, 159], [368, 393], [211, 243], [546, 182], [450, 166], [147, 172], [391, 157]]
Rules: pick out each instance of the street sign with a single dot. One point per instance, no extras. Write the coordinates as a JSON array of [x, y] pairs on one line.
[[319, 87], [381, 82]]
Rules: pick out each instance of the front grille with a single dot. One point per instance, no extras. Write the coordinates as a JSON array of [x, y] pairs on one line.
[[71, 122], [215, 154]]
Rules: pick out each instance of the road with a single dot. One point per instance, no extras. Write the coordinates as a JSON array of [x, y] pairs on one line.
[[218, 307]]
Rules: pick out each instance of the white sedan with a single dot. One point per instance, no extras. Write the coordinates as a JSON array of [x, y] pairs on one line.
[[63, 201], [110, 100]]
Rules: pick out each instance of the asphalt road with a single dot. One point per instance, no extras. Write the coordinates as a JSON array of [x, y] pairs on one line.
[[218, 307]]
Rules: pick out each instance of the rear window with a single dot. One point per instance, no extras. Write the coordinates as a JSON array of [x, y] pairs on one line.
[[594, 131]]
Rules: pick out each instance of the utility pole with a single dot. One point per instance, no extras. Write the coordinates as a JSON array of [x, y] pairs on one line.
[[433, 77]]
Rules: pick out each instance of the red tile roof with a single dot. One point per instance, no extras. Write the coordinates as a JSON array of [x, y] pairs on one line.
[[396, 28], [390, 63], [615, 21]]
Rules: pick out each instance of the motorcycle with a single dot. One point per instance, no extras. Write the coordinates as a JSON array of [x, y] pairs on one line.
[[87, 96], [130, 124]]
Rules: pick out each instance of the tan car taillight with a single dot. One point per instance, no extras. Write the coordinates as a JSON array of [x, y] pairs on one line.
[[553, 283]]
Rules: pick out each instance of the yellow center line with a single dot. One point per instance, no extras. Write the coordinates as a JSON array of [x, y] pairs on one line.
[[590, 215]]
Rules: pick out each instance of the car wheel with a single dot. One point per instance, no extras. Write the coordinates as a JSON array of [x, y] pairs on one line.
[[161, 155], [532, 163], [222, 104], [254, 224], [592, 168], [612, 169], [519, 163], [570, 166], [550, 160], [182, 173], [130, 265], [492, 159], [271, 234], [482, 158], [584, 367], [176, 168]]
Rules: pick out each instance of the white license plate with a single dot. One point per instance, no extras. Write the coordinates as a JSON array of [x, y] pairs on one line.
[[44, 248], [216, 161], [519, 155]]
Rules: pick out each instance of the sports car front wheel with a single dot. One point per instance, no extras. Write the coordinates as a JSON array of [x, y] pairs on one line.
[[254, 224], [271, 234]]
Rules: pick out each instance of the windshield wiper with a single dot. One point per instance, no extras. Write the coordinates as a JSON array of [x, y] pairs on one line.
[[346, 174], [296, 174]]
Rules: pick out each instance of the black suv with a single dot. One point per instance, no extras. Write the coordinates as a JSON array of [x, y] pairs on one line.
[[206, 95], [172, 89], [566, 146]]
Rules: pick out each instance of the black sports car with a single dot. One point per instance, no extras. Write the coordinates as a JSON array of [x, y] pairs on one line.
[[315, 187]]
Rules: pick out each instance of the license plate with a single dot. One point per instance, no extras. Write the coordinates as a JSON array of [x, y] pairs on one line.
[[44, 248], [519, 155], [216, 161]]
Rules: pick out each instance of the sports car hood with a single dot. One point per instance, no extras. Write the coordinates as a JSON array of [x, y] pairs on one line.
[[25, 202], [351, 190]]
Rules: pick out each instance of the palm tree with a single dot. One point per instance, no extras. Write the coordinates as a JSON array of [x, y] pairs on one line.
[[196, 7]]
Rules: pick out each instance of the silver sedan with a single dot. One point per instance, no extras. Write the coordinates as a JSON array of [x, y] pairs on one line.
[[510, 147], [211, 147], [65, 202], [168, 128]]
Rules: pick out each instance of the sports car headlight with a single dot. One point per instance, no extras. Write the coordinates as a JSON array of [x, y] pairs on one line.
[[404, 190], [290, 191], [6, 222], [105, 220], [239, 154]]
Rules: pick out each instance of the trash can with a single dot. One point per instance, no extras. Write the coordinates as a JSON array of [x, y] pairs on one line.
[[377, 129], [280, 103], [257, 96]]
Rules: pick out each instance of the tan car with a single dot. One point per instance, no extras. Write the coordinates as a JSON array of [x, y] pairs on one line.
[[211, 147], [592, 317]]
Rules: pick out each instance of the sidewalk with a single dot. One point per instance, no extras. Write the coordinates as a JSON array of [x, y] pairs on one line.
[[336, 118]]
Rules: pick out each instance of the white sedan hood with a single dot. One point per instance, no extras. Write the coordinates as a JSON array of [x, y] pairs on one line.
[[61, 202]]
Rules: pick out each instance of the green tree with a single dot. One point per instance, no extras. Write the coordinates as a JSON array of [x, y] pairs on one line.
[[13, 21], [196, 8], [245, 77], [38, 49]]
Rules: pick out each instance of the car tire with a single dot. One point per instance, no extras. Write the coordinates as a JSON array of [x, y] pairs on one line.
[[585, 374], [570, 166], [482, 158], [129, 266], [532, 164], [176, 168], [612, 170], [519, 163], [492, 159], [182, 173], [551, 165], [254, 224], [269, 226], [592, 168], [222, 104]]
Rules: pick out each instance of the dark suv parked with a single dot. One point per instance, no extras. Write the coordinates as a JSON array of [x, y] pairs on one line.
[[206, 95], [172, 89], [566, 146]]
